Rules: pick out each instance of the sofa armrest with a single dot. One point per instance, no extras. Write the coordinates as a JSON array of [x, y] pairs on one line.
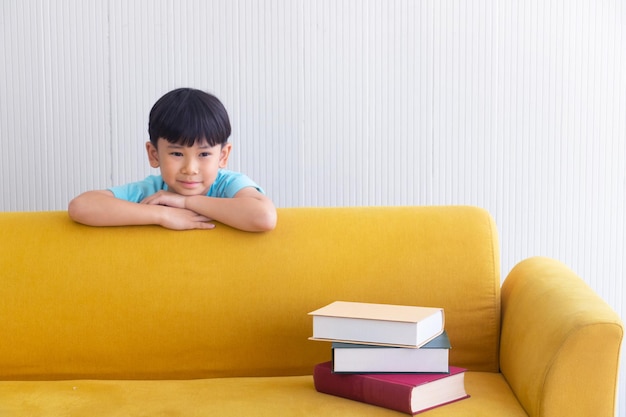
[[560, 342]]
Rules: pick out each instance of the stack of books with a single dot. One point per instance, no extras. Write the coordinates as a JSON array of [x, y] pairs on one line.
[[387, 355]]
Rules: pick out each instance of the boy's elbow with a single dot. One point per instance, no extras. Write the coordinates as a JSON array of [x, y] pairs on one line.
[[76, 210], [266, 221], [85, 207]]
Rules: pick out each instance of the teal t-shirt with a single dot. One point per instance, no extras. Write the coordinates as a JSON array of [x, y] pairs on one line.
[[226, 185]]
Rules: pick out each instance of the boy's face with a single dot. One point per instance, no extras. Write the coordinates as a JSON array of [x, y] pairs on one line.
[[188, 170]]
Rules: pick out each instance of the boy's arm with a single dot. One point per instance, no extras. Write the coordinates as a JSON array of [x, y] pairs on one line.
[[102, 208], [248, 210]]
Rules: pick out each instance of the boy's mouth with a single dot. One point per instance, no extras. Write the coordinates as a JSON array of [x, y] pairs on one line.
[[189, 184]]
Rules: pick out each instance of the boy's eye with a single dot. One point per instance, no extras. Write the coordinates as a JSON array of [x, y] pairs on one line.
[[176, 153], [205, 154]]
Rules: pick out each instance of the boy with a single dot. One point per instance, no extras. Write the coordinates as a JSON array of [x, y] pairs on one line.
[[189, 132]]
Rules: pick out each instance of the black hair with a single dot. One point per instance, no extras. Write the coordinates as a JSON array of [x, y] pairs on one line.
[[186, 115]]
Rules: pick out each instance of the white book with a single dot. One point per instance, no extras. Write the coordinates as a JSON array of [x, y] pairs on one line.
[[378, 324]]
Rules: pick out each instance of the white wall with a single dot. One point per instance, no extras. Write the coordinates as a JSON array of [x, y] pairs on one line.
[[515, 106]]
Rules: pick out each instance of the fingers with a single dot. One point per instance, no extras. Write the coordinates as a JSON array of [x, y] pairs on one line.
[[152, 197], [200, 217], [205, 226], [165, 198], [201, 222], [184, 219], [149, 200]]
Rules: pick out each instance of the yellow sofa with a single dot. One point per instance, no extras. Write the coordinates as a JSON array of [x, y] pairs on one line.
[[144, 321]]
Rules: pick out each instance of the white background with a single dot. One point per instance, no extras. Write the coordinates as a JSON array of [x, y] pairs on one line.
[[515, 106]]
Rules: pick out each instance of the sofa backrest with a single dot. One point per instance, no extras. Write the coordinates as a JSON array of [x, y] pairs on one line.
[[146, 302]]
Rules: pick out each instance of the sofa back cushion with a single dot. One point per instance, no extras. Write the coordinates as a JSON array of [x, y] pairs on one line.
[[146, 302]]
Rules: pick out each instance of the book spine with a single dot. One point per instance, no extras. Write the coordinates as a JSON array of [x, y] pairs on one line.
[[360, 388]]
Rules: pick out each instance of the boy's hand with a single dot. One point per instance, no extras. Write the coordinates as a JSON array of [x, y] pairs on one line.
[[178, 217], [183, 219], [165, 198]]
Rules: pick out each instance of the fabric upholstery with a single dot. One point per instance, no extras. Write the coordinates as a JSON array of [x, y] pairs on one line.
[[144, 321], [145, 302], [560, 341], [223, 397]]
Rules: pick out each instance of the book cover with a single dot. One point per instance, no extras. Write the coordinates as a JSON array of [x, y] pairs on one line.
[[384, 324], [357, 358], [407, 393]]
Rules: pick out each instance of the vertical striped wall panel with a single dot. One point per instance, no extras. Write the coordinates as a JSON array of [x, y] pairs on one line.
[[515, 106], [54, 110]]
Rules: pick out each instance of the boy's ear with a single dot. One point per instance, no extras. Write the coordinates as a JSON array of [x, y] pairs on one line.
[[224, 154], [153, 154]]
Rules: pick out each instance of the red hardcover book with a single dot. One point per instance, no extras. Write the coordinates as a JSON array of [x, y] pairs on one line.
[[407, 393]]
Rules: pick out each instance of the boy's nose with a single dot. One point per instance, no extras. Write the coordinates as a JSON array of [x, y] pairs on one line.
[[190, 167]]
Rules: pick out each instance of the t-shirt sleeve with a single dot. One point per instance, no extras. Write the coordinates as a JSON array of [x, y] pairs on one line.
[[137, 191], [229, 183]]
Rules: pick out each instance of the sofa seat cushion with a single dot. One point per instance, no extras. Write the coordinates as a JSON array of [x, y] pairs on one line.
[[264, 396]]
